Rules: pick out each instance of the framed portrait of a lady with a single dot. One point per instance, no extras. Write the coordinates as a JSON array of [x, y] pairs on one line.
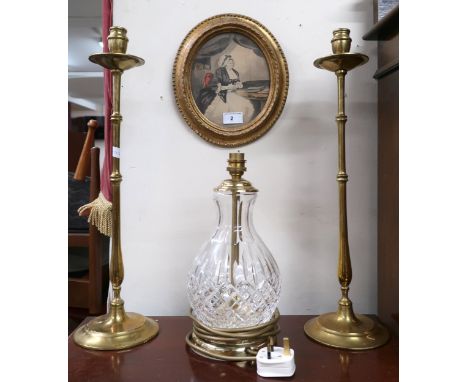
[[230, 80]]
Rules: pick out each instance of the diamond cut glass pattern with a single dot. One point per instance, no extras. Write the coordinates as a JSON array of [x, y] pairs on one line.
[[234, 281]]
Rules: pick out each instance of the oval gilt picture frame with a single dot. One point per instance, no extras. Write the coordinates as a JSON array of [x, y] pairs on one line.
[[230, 80]]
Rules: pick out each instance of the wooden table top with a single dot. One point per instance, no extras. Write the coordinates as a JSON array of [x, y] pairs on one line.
[[167, 358]]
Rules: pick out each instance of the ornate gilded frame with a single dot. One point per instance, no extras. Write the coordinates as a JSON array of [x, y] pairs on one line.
[[278, 70]]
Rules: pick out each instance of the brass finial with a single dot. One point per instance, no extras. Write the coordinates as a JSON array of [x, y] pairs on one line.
[[341, 42], [117, 40]]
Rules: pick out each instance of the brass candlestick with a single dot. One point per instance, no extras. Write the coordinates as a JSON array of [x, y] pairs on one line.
[[344, 329], [116, 329]]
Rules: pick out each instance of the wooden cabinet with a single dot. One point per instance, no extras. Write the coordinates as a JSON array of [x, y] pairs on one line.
[[386, 33], [167, 358]]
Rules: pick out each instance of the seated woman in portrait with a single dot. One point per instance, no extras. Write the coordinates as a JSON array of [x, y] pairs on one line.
[[224, 98]]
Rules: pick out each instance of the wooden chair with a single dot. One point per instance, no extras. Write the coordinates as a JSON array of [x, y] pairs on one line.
[[87, 291]]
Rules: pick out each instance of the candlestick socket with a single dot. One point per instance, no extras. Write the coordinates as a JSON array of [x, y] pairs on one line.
[[117, 40], [341, 42]]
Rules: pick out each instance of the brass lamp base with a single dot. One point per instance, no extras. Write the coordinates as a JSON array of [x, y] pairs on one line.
[[107, 333], [232, 344], [238, 351], [345, 330]]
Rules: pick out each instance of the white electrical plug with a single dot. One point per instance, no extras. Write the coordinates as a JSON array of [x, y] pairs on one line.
[[276, 363]]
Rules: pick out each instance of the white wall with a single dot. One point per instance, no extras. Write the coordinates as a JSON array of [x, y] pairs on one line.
[[169, 172]]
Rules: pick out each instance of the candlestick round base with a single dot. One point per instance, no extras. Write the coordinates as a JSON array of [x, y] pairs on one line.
[[335, 330], [106, 333]]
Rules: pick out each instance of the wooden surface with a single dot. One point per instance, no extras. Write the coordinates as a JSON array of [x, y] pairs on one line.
[[167, 358]]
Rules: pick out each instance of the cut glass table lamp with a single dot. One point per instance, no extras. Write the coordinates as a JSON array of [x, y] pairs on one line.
[[234, 282]]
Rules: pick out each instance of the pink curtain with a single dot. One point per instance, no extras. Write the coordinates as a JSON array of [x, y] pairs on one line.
[[107, 165]]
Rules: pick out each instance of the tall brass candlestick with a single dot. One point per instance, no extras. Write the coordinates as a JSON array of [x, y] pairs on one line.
[[116, 329], [344, 329]]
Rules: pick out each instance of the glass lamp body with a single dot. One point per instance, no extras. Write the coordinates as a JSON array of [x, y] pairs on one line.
[[234, 281]]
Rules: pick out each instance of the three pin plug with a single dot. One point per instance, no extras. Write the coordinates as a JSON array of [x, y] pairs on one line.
[[276, 361]]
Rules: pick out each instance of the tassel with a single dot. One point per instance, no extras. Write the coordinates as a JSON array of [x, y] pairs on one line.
[[100, 214]]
